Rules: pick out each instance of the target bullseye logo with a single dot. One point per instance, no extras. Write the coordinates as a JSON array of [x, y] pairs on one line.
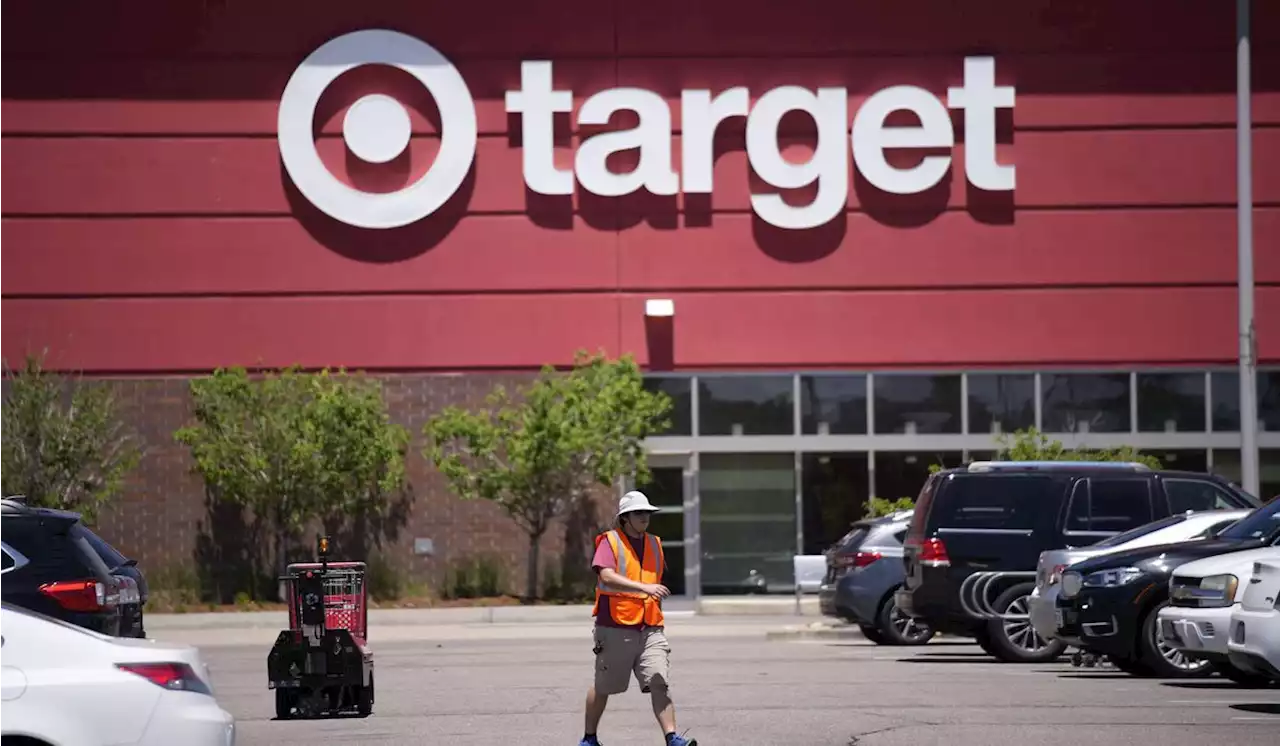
[[377, 129]]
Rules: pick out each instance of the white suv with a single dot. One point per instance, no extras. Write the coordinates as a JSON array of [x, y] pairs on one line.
[[1254, 641], [1202, 595]]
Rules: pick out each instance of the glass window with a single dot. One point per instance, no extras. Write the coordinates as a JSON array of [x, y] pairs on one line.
[[748, 517], [1261, 523], [1001, 501], [834, 495], [1195, 494], [1187, 459], [680, 390], [1000, 403], [1113, 505], [1226, 400], [746, 405], [1226, 462], [903, 474], [833, 404], [1171, 402], [7, 561], [913, 403], [1085, 402]]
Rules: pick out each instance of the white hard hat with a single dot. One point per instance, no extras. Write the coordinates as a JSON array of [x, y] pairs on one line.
[[633, 501]]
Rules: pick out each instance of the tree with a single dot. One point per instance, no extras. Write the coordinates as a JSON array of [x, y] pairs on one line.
[[64, 444], [536, 455], [293, 447], [1033, 445]]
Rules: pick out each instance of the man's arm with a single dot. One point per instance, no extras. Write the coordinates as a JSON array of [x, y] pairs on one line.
[[611, 577]]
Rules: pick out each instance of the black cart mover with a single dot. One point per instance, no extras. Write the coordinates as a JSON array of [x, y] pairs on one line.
[[322, 665]]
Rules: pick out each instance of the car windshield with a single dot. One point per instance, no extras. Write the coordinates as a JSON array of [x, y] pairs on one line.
[[112, 558], [1140, 531], [1262, 523]]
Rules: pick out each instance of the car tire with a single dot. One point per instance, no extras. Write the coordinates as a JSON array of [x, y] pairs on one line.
[[873, 634], [1164, 662], [900, 629], [1015, 640], [1242, 678]]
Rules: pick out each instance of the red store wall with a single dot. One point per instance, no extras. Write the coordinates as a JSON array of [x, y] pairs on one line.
[[148, 226]]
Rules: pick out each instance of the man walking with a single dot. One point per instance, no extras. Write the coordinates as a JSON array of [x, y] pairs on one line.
[[629, 636]]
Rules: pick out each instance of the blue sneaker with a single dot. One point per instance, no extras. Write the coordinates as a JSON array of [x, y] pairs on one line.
[[674, 740], [592, 741]]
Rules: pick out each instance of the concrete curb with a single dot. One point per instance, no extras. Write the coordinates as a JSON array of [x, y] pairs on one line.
[[815, 633]]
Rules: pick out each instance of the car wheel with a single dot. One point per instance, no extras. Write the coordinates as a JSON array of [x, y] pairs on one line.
[[1243, 678], [901, 629], [873, 634], [1013, 639], [1165, 660]]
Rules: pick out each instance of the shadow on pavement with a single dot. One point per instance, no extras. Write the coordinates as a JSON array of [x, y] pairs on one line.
[[1261, 708]]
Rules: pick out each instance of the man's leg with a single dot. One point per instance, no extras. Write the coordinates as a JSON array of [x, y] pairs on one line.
[[653, 671], [616, 651]]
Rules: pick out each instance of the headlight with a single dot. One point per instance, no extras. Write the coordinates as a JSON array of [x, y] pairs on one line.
[[1215, 591], [1112, 578]]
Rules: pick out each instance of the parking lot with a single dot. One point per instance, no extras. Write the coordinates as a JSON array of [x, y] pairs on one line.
[[736, 688]]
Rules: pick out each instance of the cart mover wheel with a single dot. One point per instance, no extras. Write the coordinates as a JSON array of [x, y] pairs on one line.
[[285, 700], [364, 698]]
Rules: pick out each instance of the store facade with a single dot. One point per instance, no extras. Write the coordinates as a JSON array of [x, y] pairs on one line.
[[849, 242]]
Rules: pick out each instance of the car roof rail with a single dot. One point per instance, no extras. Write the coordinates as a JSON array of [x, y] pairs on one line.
[[984, 466]]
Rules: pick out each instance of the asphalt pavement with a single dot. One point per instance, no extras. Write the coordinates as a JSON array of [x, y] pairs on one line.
[[524, 684]]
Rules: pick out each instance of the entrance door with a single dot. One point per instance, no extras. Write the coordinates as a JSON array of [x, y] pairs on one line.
[[671, 488]]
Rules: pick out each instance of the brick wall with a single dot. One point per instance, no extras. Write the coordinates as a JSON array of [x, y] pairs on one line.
[[162, 514]]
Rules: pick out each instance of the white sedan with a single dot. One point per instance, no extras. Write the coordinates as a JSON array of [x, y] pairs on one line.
[[64, 685]]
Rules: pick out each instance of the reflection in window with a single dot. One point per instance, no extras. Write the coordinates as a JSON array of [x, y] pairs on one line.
[[680, 389], [1226, 400], [834, 490], [745, 405], [913, 403], [1085, 402], [902, 474], [1171, 402], [833, 404], [1001, 403], [748, 515]]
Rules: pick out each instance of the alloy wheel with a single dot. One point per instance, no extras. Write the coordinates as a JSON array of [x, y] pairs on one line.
[[907, 628], [1177, 658], [1018, 629]]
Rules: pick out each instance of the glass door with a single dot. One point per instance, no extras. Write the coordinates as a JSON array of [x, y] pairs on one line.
[[670, 487]]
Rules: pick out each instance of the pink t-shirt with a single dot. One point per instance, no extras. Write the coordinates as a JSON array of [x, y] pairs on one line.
[[604, 558]]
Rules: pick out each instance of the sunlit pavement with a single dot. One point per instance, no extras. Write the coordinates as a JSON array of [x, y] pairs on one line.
[[526, 687]]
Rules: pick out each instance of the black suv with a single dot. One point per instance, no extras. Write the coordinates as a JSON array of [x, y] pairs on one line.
[[978, 532], [51, 568]]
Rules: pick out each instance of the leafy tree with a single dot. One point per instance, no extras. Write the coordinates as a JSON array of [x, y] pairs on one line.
[[544, 451], [1033, 445], [64, 444], [880, 506], [293, 447]]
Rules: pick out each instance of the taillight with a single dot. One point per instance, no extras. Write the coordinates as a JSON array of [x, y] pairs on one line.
[[77, 595], [933, 552], [172, 676]]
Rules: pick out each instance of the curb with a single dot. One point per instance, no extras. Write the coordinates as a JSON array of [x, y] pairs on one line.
[[814, 633]]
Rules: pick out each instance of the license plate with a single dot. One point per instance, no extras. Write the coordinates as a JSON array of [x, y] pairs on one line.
[[1057, 617]]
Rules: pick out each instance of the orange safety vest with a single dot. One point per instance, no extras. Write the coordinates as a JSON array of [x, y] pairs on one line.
[[628, 607]]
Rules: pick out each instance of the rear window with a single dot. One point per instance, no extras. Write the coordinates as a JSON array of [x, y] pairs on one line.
[[850, 541], [108, 553], [1008, 501]]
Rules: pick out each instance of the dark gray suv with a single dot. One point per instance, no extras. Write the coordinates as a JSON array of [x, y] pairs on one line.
[[864, 569]]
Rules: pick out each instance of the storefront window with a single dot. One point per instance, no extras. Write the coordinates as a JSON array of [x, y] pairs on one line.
[[748, 516], [834, 490], [1171, 402], [1196, 459], [1001, 403], [1226, 462], [911, 403], [1226, 400], [746, 405], [833, 404], [680, 389], [1085, 402], [902, 474]]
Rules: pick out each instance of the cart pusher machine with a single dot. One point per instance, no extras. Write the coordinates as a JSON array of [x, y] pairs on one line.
[[322, 664]]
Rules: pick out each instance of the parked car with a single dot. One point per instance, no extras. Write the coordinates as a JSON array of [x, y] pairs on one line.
[[978, 532], [1202, 596], [1180, 527], [1110, 604], [1254, 641], [62, 576], [133, 594], [863, 570], [66, 685]]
